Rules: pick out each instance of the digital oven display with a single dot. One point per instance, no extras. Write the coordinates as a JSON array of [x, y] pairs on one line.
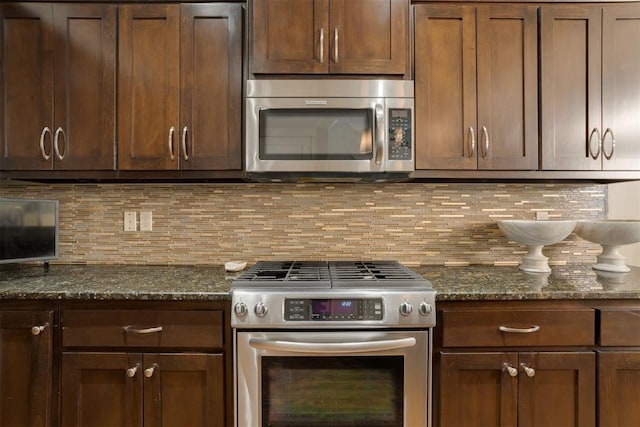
[[333, 309]]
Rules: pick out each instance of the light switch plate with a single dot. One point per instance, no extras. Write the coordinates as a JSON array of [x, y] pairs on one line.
[[129, 221], [146, 221]]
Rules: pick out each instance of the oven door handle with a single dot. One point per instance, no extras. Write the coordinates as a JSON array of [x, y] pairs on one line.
[[332, 348]]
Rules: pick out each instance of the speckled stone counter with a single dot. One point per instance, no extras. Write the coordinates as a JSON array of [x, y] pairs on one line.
[[118, 282]]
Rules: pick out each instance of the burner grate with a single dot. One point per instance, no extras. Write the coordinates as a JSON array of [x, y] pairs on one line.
[[371, 270]]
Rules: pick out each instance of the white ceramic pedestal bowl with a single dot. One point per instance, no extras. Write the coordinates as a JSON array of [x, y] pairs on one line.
[[535, 235], [610, 234]]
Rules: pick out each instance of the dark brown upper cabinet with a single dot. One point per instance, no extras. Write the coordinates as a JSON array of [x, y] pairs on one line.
[[58, 86], [330, 36], [476, 86], [180, 87], [590, 87]]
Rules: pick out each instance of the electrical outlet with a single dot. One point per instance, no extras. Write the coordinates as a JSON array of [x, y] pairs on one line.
[[146, 221], [129, 221]]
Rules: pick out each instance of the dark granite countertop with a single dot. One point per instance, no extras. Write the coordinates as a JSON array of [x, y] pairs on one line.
[[125, 282]]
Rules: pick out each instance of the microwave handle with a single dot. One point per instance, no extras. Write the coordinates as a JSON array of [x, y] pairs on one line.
[[332, 348], [379, 112]]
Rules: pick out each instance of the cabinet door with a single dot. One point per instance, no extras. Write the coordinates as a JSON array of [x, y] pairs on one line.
[[289, 36], [27, 86], [185, 389], [211, 87], [101, 389], [148, 87], [445, 87], [507, 135], [25, 368], [621, 87], [477, 387], [368, 36], [570, 86], [618, 388], [85, 80], [558, 391]]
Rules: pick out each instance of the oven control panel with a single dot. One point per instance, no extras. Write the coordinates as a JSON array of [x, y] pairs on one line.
[[333, 309]]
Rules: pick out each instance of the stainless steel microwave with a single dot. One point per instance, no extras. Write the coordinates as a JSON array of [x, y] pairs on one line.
[[363, 129]]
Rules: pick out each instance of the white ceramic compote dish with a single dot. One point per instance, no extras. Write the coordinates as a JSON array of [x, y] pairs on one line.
[[535, 235], [610, 234]]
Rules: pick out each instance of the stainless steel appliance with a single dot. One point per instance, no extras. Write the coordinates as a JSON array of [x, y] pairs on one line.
[[362, 129], [345, 343]]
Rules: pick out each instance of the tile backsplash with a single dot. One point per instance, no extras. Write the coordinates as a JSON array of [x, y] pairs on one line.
[[208, 224]]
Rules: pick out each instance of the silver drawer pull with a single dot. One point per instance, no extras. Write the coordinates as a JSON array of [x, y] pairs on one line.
[[132, 330], [534, 328], [150, 370], [38, 329], [513, 372], [131, 372], [528, 370]]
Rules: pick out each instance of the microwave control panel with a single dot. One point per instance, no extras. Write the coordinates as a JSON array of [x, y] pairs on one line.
[[400, 134]]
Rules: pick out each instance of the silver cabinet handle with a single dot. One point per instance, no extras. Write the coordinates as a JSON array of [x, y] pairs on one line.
[[534, 328], [43, 153], [131, 330], [335, 45], [185, 155], [613, 144], [472, 142], [379, 134], [322, 45], [485, 138], [171, 132], [513, 372], [528, 370], [56, 147], [596, 132], [131, 372], [332, 348], [38, 329], [150, 370]]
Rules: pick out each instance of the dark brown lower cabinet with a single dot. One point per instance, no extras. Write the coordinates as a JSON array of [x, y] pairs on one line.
[[26, 367], [142, 389], [619, 388], [524, 389]]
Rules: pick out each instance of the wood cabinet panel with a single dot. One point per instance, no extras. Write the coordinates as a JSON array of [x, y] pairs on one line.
[[27, 86], [329, 37], [142, 328], [618, 388], [148, 87], [476, 87], [561, 390], [26, 368], [211, 87], [482, 328], [59, 86], [620, 326]]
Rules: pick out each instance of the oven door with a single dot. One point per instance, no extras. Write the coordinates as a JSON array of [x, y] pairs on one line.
[[315, 135], [333, 378]]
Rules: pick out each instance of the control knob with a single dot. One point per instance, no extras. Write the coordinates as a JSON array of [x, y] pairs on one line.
[[260, 309], [406, 308], [425, 308], [240, 309]]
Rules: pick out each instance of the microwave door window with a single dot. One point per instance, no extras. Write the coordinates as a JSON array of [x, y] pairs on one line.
[[316, 134]]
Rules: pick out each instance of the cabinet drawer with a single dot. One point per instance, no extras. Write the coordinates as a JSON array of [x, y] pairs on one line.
[[620, 326], [497, 328], [199, 329]]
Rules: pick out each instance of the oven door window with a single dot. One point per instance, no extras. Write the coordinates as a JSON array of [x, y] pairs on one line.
[[364, 391], [316, 134]]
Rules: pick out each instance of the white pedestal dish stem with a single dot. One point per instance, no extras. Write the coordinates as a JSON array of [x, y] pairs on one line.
[[611, 260], [534, 261]]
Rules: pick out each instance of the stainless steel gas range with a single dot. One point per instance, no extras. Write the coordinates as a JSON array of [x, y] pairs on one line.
[[344, 343]]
